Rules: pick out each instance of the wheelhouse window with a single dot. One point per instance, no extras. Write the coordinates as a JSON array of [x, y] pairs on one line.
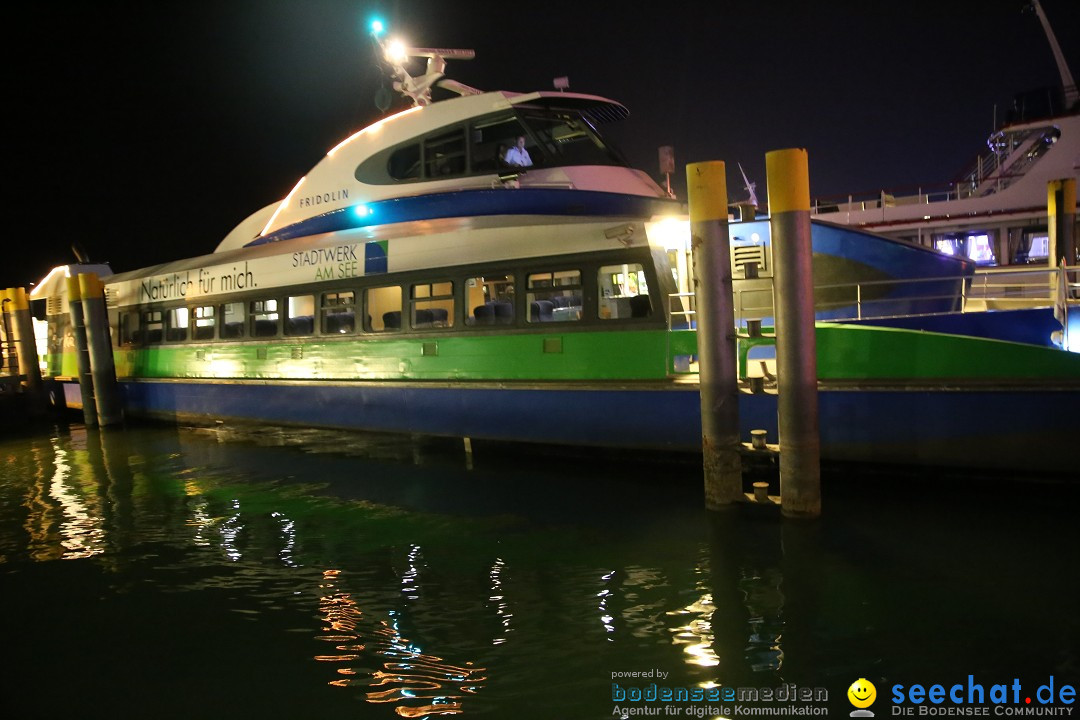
[[553, 136], [264, 317], [383, 309], [338, 313], [404, 163], [300, 315], [624, 292], [176, 324], [232, 320], [554, 296], [444, 155], [491, 138], [205, 321], [491, 299], [565, 137], [432, 305]]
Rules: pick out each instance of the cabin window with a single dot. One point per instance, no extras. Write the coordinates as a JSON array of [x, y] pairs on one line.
[[623, 292], [129, 328], [444, 154], [232, 320], [204, 322], [300, 315], [432, 305], [383, 309], [153, 322], [489, 300], [554, 296], [404, 163], [176, 324], [338, 313], [264, 317]]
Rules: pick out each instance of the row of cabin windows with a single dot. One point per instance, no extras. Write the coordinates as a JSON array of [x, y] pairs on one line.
[[552, 296]]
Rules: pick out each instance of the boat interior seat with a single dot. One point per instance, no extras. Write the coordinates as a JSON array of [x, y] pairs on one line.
[[392, 320], [153, 336], [504, 312], [494, 312], [340, 323], [422, 318], [232, 330], [640, 306], [541, 311], [439, 317], [265, 328], [484, 314], [566, 301], [300, 325], [203, 332]]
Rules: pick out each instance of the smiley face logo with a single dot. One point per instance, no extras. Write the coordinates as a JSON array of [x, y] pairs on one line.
[[862, 693]]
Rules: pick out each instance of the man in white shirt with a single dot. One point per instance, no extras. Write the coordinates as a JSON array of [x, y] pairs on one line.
[[518, 155]]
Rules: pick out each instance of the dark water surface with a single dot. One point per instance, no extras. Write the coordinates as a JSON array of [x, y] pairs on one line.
[[200, 573]]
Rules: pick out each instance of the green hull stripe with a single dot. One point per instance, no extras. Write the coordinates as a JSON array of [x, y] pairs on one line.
[[845, 352], [858, 352], [626, 355]]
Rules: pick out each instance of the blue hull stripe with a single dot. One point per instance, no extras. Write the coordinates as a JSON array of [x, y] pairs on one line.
[[965, 428], [476, 203]]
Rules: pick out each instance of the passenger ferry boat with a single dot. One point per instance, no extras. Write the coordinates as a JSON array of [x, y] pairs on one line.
[[414, 282]]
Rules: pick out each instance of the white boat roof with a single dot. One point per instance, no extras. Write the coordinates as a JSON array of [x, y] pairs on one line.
[[333, 182]]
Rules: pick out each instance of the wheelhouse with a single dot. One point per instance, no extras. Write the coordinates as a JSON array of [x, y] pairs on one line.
[[556, 135]]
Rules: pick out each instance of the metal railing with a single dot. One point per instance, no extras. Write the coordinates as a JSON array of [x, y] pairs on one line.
[[989, 173], [1001, 288], [682, 305], [987, 290]]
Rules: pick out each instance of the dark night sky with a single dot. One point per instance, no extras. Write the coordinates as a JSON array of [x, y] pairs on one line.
[[146, 130]]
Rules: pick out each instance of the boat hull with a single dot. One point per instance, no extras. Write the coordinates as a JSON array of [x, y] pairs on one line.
[[1017, 429]]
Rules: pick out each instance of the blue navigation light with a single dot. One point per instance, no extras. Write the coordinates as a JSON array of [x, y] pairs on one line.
[[377, 27], [362, 211]]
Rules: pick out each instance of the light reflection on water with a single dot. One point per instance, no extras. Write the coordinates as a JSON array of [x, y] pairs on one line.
[[378, 577]]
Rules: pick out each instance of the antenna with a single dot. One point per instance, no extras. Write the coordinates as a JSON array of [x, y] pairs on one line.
[[1068, 85], [667, 165], [749, 187], [397, 54]]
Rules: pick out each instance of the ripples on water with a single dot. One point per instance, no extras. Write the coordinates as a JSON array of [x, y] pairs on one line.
[[165, 572]]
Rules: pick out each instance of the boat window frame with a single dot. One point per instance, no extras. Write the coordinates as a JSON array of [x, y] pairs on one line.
[[369, 314], [195, 317], [254, 317], [535, 294], [171, 312], [436, 298], [241, 326], [287, 319], [510, 278], [326, 310]]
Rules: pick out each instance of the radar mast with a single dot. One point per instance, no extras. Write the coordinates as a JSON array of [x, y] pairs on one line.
[[418, 89]]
